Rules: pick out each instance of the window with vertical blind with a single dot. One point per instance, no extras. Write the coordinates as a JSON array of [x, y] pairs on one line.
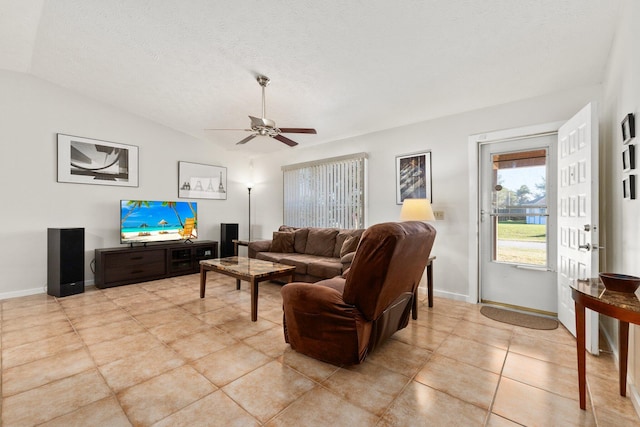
[[326, 193]]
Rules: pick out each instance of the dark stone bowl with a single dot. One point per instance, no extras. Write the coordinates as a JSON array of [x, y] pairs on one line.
[[620, 282]]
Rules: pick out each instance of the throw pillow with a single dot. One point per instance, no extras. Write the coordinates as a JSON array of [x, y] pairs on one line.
[[282, 242], [300, 240], [321, 241], [349, 245]]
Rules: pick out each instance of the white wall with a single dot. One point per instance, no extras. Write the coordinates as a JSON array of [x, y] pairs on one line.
[[622, 96], [32, 111], [447, 138]]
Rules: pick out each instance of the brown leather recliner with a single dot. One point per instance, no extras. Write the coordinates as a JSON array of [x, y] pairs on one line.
[[341, 320]]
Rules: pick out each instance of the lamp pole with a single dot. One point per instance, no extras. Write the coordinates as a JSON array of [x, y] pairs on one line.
[[249, 188]]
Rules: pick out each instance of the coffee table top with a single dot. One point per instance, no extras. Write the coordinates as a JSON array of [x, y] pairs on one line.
[[249, 267]]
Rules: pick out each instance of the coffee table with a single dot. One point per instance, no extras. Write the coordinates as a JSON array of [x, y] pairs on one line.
[[247, 269]]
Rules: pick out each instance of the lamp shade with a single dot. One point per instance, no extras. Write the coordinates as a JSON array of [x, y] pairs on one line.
[[416, 210]]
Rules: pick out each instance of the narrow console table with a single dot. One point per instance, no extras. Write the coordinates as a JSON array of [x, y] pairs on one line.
[[126, 265], [414, 308], [625, 307]]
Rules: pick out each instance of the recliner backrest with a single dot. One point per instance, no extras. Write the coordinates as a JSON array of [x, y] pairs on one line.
[[390, 261]]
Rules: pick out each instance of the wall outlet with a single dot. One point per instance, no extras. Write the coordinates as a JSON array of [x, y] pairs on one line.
[[439, 215]]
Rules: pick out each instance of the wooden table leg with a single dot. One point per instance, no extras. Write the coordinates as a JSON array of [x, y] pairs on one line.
[[580, 347], [254, 299], [430, 283], [623, 342], [237, 284], [203, 280]]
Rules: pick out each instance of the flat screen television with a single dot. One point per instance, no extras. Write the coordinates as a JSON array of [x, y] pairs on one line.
[[144, 221]]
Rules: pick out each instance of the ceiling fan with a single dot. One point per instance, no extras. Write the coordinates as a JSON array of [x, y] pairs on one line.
[[265, 127]]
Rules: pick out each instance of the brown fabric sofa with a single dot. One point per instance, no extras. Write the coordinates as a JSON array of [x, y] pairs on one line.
[[317, 253], [341, 320]]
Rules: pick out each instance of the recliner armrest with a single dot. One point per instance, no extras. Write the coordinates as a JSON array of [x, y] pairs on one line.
[[318, 323]]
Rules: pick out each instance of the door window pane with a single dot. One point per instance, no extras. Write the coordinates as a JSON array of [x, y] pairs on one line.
[[519, 207]]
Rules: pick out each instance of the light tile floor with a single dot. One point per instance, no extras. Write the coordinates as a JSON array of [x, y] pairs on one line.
[[156, 354]]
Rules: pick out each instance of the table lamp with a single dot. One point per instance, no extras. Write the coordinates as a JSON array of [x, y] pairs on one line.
[[417, 210]]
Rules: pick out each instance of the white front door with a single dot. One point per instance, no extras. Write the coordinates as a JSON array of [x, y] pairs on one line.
[[517, 222], [578, 237]]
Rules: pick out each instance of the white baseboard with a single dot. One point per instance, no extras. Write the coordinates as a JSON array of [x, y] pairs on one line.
[[422, 290], [34, 291]]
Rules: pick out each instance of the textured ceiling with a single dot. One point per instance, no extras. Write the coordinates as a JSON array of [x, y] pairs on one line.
[[344, 67]]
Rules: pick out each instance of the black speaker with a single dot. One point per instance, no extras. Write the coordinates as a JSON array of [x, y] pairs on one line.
[[65, 261], [228, 233]]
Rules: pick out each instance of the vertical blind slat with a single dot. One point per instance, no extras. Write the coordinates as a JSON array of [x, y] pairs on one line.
[[328, 194]]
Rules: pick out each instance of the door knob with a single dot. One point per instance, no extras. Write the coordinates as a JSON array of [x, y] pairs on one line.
[[586, 246]]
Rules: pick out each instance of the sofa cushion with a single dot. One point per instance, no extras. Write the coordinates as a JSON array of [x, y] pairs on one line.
[[321, 241], [349, 245], [343, 235], [340, 238], [282, 241], [270, 256], [300, 241], [326, 267], [299, 261]]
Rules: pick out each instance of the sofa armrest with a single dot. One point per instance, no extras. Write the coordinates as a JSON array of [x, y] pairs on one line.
[[346, 260], [259, 246]]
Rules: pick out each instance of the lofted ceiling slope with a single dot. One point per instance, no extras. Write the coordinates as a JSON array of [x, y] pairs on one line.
[[345, 68]]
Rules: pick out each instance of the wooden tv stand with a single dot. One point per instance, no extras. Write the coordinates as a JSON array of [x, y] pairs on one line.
[[126, 265]]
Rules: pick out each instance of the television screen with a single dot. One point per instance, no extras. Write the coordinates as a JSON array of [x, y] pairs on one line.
[[143, 221]]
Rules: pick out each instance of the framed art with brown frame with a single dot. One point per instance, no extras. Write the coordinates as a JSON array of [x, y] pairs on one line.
[[413, 176], [92, 161]]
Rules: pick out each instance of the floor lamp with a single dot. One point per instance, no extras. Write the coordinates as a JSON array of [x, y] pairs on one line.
[[249, 188]]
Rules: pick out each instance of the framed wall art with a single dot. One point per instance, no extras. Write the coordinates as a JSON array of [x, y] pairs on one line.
[[629, 157], [628, 126], [413, 177], [629, 187], [198, 181], [92, 161]]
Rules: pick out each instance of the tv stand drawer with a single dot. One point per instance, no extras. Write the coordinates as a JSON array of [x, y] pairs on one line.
[[137, 258], [126, 265]]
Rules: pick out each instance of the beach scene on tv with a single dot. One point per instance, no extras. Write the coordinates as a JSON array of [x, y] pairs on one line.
[[143, 221]]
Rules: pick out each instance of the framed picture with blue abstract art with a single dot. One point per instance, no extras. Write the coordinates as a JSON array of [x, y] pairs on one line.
[[413, 177]]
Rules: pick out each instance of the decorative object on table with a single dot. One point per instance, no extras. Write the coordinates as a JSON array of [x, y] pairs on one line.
[[92, 161], [264, 127], [198, 181], [413, 176], [417, 210], [629, 187], [628, 128], [629, 157], [620, 282]]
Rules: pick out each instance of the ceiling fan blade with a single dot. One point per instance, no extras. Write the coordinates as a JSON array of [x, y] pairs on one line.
[[248, 130], [289, 142], [247, 139], [298, 130]]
